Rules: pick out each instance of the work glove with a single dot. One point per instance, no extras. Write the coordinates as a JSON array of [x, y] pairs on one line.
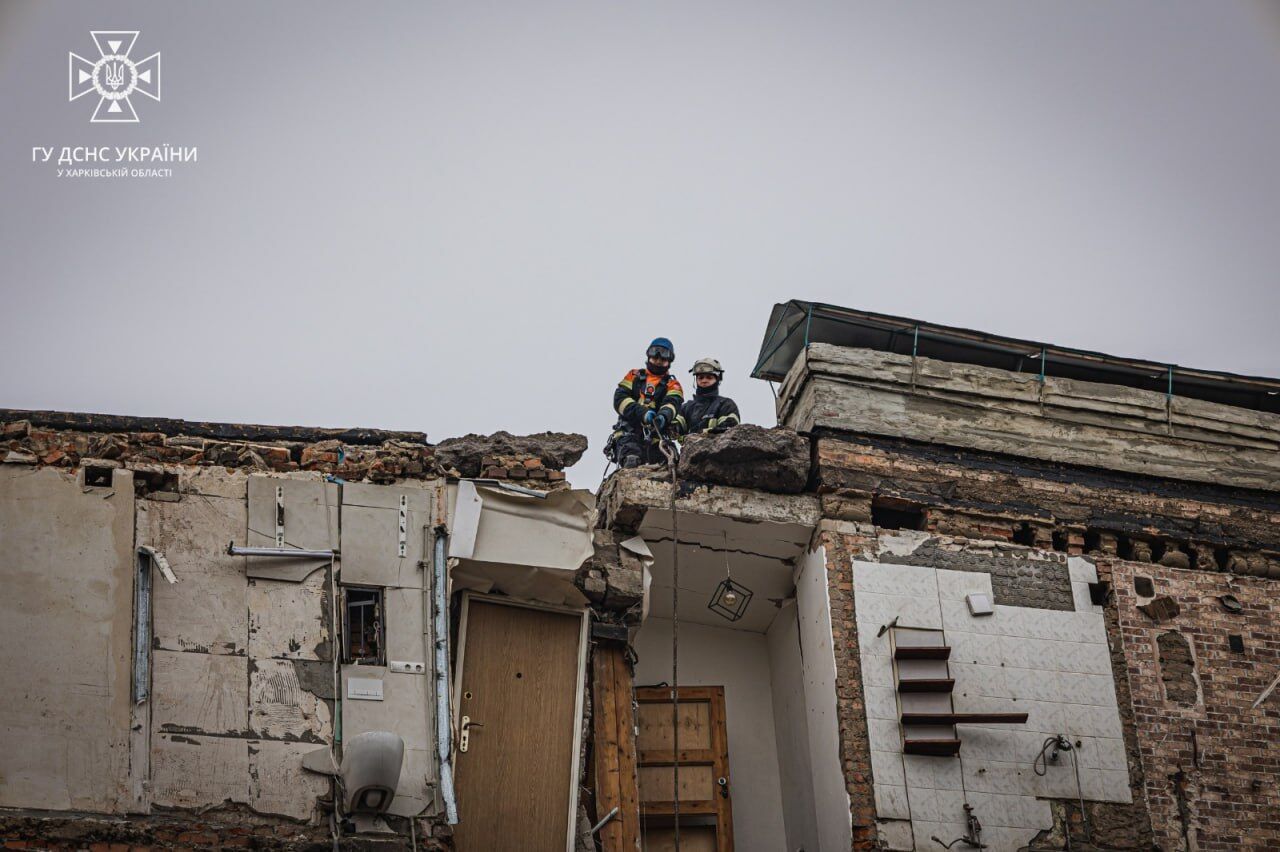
[[649, 417], [660, 422]]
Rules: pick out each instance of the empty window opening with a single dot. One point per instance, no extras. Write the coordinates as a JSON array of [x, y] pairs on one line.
[[1024, 534], [147, 481], [1144, 587], [1236, 642], [363, 627], [98, 477], [1222, 557], [1092, 541], [897, 517], [1158, 550], [1060, 541]]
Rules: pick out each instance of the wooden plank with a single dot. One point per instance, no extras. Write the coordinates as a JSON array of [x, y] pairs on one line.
[[688, 807], [655, 756], [927, 684], [963, 718], [614, 750], [608, 794], [720, 744], [695, 724], [936, 748], [697, 783], [693, 838]]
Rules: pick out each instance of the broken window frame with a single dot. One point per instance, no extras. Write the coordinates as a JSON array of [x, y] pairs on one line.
[[378, 603]]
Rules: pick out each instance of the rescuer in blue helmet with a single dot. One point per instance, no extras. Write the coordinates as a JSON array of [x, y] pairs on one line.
[[648, 402]]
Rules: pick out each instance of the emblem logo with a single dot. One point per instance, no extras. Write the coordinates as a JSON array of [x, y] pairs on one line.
[[114, 77]]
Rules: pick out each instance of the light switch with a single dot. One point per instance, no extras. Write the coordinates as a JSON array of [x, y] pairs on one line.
[[979, 603]]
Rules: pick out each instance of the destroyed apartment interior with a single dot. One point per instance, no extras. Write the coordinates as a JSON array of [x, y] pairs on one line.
[[969, 592]]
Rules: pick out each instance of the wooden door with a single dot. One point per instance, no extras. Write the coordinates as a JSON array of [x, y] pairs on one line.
[[519, 693], [706, 810]]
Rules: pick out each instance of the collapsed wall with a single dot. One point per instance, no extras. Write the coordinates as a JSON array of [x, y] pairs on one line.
[[189, 728]]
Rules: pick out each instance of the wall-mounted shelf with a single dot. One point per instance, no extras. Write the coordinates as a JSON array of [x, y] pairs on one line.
[[937, 748], [927, 684], [922, 672], [963, 718], [925, 652]]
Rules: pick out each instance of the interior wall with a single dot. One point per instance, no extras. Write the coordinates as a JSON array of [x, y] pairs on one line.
[[1053, 665], [67, 567], [831, 796], [738, 661], [791, 729]]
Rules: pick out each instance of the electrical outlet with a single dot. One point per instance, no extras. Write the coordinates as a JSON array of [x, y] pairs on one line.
[[408, 668]]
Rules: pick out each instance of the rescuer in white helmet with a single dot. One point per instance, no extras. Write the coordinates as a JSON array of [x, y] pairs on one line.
[[708, 411]]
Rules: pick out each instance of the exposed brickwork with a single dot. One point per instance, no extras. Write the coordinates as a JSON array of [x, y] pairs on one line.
[[393, 459], [1177, 668], [1019, 576], [1111, 825], [1211, 760], [1072, 510], [528, 468], [232, 828], [855, 741]]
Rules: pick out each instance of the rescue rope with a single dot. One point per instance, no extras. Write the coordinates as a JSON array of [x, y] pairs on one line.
[[668, 450]]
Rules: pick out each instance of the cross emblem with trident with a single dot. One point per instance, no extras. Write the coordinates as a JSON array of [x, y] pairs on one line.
[[114, 76]]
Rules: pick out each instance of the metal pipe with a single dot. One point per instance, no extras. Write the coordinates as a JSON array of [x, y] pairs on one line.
[[444, 714], [613, 813], [142, 630], [234, 549]]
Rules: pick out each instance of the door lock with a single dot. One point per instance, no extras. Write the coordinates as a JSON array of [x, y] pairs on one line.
[[464, 736], [724, 786]]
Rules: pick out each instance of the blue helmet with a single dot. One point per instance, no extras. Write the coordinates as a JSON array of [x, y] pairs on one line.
[[662, 348]]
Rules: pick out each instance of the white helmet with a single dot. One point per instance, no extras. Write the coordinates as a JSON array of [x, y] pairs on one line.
[[708, 365]]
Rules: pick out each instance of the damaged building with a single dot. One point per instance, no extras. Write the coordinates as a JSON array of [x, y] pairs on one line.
[[970, 592]]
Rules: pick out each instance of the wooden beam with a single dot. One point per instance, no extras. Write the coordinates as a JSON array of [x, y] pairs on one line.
[[614, 750]]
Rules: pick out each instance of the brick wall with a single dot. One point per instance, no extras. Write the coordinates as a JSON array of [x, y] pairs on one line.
[[231, 828], [855, 742], [1212, 762]]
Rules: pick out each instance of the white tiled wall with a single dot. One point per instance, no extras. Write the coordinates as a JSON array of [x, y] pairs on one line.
[[1053, 665]]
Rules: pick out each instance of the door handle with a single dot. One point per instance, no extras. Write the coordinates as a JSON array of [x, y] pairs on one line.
[[724, 786], [464, 736]]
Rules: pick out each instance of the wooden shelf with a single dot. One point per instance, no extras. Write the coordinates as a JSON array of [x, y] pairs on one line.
[[931, 747], [928, 684], [930, 652], [963, 718]]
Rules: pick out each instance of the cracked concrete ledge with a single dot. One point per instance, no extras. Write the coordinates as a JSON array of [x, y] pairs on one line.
[[629, 494]]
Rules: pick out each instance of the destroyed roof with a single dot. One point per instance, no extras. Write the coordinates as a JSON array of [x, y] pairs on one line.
[[795, 324], [84, 422]]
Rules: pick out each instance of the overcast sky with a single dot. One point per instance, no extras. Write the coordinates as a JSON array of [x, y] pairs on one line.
[[470, 217]]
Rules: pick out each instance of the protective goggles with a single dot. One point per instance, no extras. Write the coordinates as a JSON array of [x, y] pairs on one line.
[[661, 352]]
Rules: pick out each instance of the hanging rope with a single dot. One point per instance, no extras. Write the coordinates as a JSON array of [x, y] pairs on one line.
[[669, 450]]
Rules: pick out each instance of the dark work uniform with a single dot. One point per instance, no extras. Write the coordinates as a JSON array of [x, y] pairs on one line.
[[708, 411], [638, 392]]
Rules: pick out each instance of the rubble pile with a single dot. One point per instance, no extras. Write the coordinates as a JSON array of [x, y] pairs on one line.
[[748, 456], [21, 442], [540, 457]]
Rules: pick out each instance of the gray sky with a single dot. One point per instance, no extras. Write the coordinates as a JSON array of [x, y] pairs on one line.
[[471, 217]]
